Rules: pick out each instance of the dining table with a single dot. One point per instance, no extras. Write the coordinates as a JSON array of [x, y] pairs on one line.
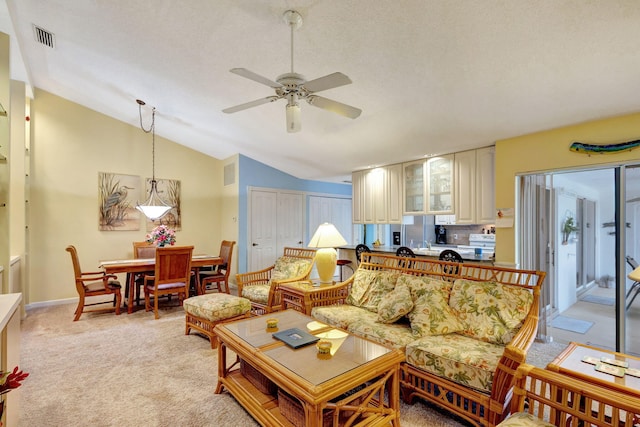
[[140, 265]]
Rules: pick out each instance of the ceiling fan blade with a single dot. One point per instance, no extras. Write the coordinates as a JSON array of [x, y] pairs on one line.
[[250, 104], [327, 82], [334, 106], [255, 77]]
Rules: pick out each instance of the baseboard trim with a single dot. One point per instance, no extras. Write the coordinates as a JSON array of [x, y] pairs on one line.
[[51, 303]]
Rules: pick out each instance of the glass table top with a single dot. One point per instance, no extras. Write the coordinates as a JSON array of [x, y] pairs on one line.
[[347, 351]]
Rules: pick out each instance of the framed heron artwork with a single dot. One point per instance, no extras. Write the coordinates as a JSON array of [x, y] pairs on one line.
[[117, 196], [169, 191]]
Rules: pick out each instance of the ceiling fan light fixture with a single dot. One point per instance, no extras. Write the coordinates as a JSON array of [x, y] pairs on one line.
[[294, 87], [294, 122]]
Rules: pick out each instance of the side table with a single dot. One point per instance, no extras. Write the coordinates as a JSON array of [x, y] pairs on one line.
[[306, 294], [569, 362]]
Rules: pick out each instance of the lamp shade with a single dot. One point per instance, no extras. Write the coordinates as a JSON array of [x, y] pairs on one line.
[[327, 236], [154, 207]]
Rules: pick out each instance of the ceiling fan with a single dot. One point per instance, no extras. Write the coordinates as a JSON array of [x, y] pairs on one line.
[[293, 87]]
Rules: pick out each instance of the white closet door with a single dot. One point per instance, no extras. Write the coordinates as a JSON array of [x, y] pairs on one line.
[[262, 249], [290, 221]]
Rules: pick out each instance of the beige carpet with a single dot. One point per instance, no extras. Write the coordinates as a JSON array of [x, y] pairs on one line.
[[132, 370]]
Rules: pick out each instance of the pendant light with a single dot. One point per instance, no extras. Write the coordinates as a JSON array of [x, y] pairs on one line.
[[154, 207]]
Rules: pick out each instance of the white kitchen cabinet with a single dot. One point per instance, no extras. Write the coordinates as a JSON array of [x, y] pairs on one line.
[[377, 195], [377, 191], [485, 186], [475, 183], [465, 178], [357, 196], [440, 185], [394, 185], [414, 188]]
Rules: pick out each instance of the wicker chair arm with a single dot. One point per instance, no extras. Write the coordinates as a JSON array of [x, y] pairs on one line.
[[260, 277]]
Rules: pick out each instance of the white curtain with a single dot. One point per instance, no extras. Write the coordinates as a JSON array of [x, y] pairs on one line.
[[534, 239]]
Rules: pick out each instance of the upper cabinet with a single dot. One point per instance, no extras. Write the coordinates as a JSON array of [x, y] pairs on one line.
[[377, 195], [475, 186], [414, 189], [440, 185], [357, 196], [459, 186]]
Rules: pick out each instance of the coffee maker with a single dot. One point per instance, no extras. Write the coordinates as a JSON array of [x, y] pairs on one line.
[[441, 235]]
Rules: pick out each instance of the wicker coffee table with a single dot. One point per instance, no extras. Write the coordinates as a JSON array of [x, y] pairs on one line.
[[282, 386]]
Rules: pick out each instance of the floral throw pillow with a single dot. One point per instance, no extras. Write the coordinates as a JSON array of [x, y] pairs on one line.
[[431, 314], [369, 287], [396, 304], [490, 311]]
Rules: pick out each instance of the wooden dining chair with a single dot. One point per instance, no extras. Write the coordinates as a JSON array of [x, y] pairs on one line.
[[219, 276], [171, 276], [141, 250], [93, 284]]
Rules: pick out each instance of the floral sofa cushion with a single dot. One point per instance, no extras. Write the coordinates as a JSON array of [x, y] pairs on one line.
[[342, 315], [459, 358], [490, 311], [362, 322], [396, 304], [256, 293], [289, 267], [524, 419], [431, 314], [396, 335], [369, 287]]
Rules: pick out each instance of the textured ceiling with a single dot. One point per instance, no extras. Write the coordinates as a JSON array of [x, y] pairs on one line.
[[430, 76]]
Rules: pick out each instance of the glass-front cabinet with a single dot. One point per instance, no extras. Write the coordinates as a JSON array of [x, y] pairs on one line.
[[439, 173], [414, 187]]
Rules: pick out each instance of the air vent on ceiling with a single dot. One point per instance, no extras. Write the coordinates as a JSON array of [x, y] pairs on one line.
[[43, 36]]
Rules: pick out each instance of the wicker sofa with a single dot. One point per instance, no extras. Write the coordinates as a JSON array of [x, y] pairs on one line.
[[465, 328], [544, 398], [261, 287]]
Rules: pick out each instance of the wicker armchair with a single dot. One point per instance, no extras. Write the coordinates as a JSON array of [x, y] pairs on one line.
[[261, 287]]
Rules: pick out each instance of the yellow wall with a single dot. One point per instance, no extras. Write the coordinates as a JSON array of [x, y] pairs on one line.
[[70, 144], [549, 150], [4, 165]]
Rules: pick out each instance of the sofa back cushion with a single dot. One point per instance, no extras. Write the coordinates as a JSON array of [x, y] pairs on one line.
[[431, 314], [490, 311], [289, 267], [369, 287]]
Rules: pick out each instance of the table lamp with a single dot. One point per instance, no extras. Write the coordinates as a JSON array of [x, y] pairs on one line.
[[326, 239]]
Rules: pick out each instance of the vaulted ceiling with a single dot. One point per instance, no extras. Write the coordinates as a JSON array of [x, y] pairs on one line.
[[431, 76]]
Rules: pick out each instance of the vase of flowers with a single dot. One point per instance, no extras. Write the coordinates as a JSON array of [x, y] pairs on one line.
[[162, 236], [8, 382]]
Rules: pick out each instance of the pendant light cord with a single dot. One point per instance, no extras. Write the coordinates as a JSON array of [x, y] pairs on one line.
[[152, 130]]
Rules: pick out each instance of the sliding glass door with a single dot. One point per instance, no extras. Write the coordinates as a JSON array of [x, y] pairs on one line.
[[632, 257], [568, 227]]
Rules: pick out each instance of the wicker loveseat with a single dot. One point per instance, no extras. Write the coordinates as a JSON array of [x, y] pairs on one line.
[[465, 328], [260, 287]]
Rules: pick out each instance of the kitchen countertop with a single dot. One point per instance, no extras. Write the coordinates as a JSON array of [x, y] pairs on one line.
[[434, 252]]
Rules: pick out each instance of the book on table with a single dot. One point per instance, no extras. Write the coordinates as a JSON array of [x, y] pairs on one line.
[[295, 337]]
